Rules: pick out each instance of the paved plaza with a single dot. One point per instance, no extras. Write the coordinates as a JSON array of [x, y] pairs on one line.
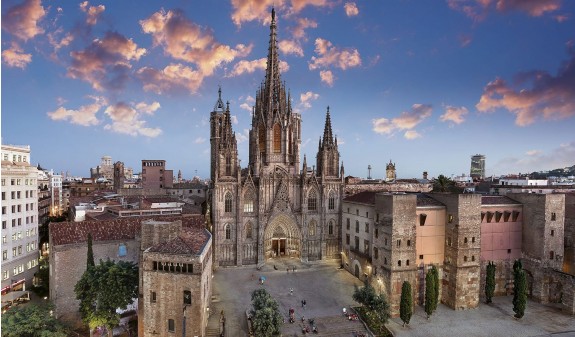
[[327, 289]]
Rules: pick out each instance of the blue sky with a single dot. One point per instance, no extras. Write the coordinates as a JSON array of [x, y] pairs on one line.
[[425, 84]]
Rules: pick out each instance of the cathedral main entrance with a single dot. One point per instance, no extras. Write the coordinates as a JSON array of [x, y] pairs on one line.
[[282, 237]]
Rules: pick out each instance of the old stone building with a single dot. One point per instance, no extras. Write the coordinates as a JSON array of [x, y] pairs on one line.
[[273, 207], [391, 238]]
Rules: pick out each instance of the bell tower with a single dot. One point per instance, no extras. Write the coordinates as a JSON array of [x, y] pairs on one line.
[[327, 153], [224, 147]]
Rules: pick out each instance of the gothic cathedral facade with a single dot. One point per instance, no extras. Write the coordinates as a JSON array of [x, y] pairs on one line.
[[273, 207]]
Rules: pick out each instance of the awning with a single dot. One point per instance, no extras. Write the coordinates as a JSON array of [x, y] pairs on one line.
[[14, 295]]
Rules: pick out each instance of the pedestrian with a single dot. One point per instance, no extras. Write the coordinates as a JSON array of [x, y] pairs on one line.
[[302, 303], [291, 291], [294, 269]]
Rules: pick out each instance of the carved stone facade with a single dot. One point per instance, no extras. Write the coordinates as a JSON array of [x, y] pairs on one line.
[[271, 208]]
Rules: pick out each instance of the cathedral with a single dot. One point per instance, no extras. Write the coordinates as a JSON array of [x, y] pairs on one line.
[[276, 206]]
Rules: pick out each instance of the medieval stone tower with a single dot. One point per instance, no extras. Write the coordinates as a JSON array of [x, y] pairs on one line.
[[272, 208]]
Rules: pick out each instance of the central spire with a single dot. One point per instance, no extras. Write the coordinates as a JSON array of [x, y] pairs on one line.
[[273, 81]]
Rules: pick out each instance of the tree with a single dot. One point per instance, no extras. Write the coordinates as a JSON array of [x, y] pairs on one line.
[[32, 320], [489, 282], [429, 293], [406, 304], [435, 274], [266, 317], [376, 305], [445, 184], [104, 288], [519, 289], [90, 257]]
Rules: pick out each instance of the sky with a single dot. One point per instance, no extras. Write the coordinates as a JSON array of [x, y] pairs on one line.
[[424, 84]]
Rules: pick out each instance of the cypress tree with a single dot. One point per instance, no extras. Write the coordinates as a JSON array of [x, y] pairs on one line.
[[519, 289], [90, 258], [405, 307], [429, 293], [435, 274], [489, 282]]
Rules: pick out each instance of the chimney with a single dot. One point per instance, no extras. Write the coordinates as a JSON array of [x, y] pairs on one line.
[[425, 175]]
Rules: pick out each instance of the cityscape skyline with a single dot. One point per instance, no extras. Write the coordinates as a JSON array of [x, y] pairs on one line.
[[492, 77]]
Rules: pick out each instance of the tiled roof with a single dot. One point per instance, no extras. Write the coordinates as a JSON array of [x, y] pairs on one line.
[[63, 233], [365, 197], [189, 241], [425, 200], [497, 200]]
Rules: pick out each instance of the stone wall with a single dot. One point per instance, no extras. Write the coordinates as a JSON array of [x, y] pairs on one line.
[[569, 260], [351, 189]]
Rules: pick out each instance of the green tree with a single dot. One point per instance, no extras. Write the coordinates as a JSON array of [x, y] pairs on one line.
[[377, 305], [266, 317], [445, 184], [32, 320], [429, 293], [435, 274], [104, 288], [489, 282], [519, 289], [406, 304], [90, 257]]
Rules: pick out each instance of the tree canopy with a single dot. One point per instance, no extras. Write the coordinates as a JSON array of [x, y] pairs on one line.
[[430, 295], [376, 305], [32, 320], [445, 184], [265, 315], [104, 288], [519, 289], [489, 282], [406, 303]]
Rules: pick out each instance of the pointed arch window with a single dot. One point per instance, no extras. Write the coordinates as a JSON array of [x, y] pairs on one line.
[[228, 165], [331, 201], [249, 230], [312, 201], [277, 138], [330, 228], [228, 203], [248, 206], [228, 230], [312, 228], [262, 138]]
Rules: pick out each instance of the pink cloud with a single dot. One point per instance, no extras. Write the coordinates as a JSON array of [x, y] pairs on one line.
[[247, 105], [407, 121], [186, 41], [92, 12], [105, 62], [478, 9], [351, 9], [454, 114], [290, 47], [22, 20], [328, 55], [249, 10], [172, 78], [14, 57], [548, 97], [58, 42], [298, 32], [245, 66], [327, 77], [126, 119], [306, 99], [85, 115], [298, 5]]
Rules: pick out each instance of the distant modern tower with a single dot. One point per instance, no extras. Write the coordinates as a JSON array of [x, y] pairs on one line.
[[477, 171]]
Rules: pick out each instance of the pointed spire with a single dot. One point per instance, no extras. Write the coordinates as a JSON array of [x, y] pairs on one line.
[[272, 81], [327, 134], [219, 103]]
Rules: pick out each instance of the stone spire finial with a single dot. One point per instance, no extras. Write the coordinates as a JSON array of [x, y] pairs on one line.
[[327, 133]]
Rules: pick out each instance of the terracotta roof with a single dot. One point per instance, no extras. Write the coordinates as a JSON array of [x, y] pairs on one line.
[[189, 241], [497, 200], [63, 233], [365, 197], [426, 200]]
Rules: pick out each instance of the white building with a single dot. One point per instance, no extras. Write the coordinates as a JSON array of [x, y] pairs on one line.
[[523, 182], [19, 221]]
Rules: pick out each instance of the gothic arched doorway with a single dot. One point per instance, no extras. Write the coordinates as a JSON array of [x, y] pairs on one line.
[[282, 237]]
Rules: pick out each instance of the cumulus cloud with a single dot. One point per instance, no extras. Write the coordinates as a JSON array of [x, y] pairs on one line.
[[243, 136], [15, 57], [92, 12], [259, 10], [328, 55], [478, 9], [454, 114], [327, 77], [105, 62], [173, 77], [245, 66], [298, 5], [351, 9], [126, 119], [306, 99], [290, 47], [548, 97], [85, 115], [186, 41], [298, 32], [57, 42], [22, 20], [537, 160], [234, 119], [407, 121], [247, 105]]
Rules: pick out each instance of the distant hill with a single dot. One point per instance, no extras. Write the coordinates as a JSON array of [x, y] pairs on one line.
[[561, 172]]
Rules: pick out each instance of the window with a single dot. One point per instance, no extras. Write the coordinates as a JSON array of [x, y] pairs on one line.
[[14, 252], [376, 217], [465, 259], [171, 326], [347, 239], [311, 229], [473, 239], [449, 242], [330, 228], [249, 230], [398, 243], [357, 243], [122, 251], [385, 260], [4, 255], [399, 263], [3, 209], [421, 257], [277, 138], [450, 218], [357, 226], [3, 195], [375, 253], [367, 227], [5, 275], [187, 297], [465, 240], [228, 230], [376, 233], [347, 223], [552, 231], [312, 201], [407, 262], [228, 203], [3, 224], [508, 251], [553, 216], [249, 206], [357, 212], [385, 242], [422, 218], [331, 202], [409, 243], [367, 214], [551, 255], [472, 257], [366, 246]]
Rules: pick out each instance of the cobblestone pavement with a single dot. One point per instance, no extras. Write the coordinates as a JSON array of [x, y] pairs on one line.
[[491, 320]]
